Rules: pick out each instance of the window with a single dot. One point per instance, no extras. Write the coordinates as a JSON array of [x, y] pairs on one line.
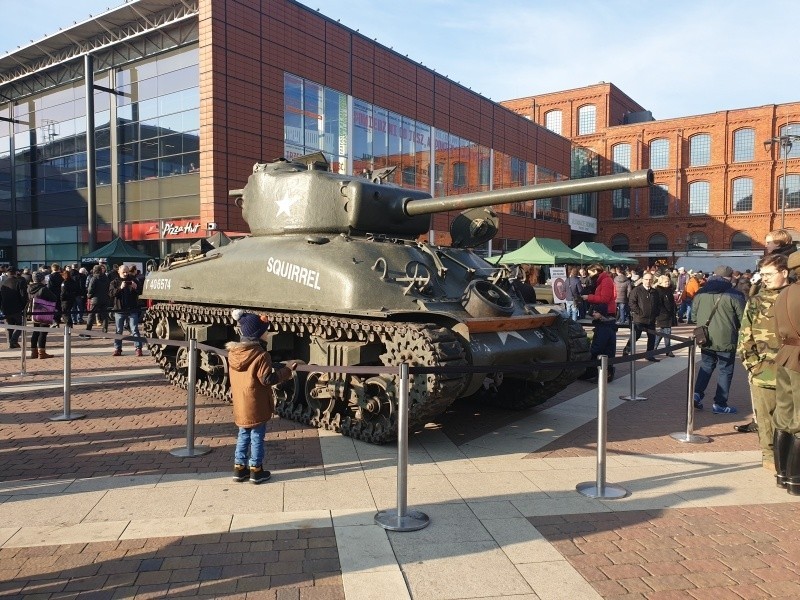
[[484, 172], [792, 190], [659, 200], [620, 243], [552, 121], [700, 150], [459, 175], [741, 241], [742, 194], [699, 195], [621, 154], [657, 243], [587, 119], [620, 204], [659, 154], [794, 150], [743, 145], [698, 241], [519, 171]]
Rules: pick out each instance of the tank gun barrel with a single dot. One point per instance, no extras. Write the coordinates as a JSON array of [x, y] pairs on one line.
[[637, 179]]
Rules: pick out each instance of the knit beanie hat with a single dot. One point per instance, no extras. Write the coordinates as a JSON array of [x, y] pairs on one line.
[[251, 326]]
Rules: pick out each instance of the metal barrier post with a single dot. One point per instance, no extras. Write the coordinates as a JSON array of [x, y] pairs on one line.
[[190, 449], [23, 361], [599, 488], [68, 415], [633, 395], [689, 436], [402, 519]]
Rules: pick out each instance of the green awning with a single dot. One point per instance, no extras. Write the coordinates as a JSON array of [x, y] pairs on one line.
[[542, 251], [603, 254]]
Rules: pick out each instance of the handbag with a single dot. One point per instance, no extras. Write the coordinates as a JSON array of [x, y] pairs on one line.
[[701, 337], [43, 311]]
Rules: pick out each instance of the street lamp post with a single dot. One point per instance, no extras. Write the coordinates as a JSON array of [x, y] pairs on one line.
[[785, 142]]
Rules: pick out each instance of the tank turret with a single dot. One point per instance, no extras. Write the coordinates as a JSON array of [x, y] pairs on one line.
[[336, 265], [303, 197]]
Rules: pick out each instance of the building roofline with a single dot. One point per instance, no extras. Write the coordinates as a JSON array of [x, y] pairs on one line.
[[116, 25]]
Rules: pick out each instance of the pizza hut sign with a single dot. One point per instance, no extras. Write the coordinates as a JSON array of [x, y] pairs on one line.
[[175, 229]]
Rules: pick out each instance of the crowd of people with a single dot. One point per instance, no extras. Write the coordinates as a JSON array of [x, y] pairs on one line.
[[744, 316], [71, 295]]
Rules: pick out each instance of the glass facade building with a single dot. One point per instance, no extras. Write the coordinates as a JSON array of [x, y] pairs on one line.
[[146, 137]]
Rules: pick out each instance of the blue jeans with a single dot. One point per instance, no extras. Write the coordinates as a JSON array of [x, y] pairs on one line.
[[709, 360], [659, 337], [622, 312], [250, 443], [571, 309], [133, 323], [77, 310]]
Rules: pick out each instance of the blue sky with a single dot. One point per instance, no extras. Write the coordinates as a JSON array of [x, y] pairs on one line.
[[676, 58]]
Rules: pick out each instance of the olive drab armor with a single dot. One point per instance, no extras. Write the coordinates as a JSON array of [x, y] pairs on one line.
[[336, 264]]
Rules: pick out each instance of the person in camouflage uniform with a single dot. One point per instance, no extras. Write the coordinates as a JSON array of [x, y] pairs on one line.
[[757, 346]]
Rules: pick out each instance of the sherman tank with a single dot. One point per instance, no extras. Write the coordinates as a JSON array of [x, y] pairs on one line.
[[336, 264]]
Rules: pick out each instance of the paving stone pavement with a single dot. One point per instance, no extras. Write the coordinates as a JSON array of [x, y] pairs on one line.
[[99, 508]]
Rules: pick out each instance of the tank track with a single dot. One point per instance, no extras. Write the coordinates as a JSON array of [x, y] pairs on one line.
[[519, 394], [369, 412]]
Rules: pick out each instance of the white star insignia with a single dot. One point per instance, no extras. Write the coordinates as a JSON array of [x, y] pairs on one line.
[[284, 204], [504, 336]]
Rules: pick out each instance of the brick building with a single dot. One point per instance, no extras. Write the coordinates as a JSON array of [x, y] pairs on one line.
[[718, 185], [137, 123]]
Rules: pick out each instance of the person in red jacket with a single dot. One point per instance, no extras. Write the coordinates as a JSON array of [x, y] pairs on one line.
[[602, 308]]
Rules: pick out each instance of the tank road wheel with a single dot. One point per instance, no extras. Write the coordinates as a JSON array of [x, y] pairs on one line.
[[215, 370], [290, 398], [161, 326], [372, 411], [323, 395]]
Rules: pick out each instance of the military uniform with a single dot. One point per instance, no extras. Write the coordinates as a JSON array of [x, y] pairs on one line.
[[786, 418], [757, 347]]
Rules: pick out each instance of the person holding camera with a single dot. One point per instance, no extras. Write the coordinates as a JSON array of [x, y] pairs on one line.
[[124, 293], [252, 375]]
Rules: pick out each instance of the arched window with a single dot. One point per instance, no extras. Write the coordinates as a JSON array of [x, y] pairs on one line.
[[744, 141], [552, 121], [620, 243], [657, 243], [659, 154], [698, 241], [742, 194], [587, 119], [621, 154], [699, 150], [741, 241], [699, 198]]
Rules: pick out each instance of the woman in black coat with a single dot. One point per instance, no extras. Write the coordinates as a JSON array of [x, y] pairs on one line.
[[70, 290], [667, 311]]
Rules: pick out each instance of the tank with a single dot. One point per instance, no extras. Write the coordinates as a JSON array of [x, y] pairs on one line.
[[337, 265]]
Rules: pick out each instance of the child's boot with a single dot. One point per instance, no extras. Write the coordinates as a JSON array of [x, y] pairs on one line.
[[259, 475], [240, 472]]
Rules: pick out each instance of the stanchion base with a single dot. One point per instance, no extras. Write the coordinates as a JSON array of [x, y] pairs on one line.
[[611, 492], [20, 374], [632, 398], [69, 417], [190, 452], [412, 521], [694, 438]]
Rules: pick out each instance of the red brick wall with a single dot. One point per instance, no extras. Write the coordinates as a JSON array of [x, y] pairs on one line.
[[245, 47], [721, 223]]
